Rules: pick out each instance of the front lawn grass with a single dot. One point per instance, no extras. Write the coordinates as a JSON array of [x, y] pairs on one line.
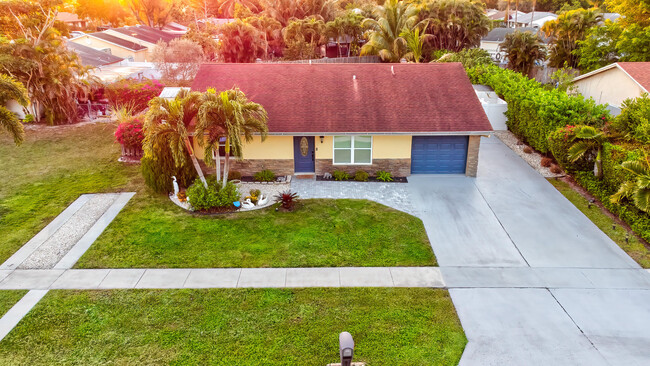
[[237, 327], [152, 232], [51, 169], [9, 298], [634, 248]]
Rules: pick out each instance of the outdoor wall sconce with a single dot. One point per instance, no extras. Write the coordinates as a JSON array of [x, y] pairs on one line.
[[321, 138]]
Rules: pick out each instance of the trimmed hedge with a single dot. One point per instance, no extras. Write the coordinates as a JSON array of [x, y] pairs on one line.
[[559, 142], [534, 112], [638, 220]]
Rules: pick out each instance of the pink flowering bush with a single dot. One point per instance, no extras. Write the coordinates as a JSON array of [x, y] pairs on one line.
[[130, 133], [132, 93]]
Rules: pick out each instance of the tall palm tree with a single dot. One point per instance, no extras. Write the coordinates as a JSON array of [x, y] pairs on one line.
[[240, 42], [454, 25], [227, 7], [166, 127], [391, 19], [271, 29], [565, 32], [414, 43], [522, 50], [639, 190], [591, 142], [10, 89], [231, 115]]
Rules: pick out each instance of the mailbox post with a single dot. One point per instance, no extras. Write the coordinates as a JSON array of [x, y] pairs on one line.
[[346, 348]]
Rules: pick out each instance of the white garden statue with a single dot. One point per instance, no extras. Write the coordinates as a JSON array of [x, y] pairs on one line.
[[175, 186], [247, 204], [263, 200]]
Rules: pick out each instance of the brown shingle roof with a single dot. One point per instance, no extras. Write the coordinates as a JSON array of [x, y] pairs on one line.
[[639, 71], [355, 98]]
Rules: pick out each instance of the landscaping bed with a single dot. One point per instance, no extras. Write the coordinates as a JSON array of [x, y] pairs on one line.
[[238, 327], [151, 233], [370, 179], [9, 298]]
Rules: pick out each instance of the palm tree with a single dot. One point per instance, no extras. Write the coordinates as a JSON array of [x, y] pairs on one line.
[[591, 141], [303, 37], [454, 25], [639, 190], [231, 115], [565, 32], [522, 50], [240, 42], [271, 29], [392, 18], [227, 7], [166, 127], [10, 89]]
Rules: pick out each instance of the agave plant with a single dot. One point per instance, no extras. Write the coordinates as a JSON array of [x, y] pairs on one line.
[[637, 191], [591, 141]]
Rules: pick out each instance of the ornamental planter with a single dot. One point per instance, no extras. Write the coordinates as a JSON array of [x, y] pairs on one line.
[[131, 154]]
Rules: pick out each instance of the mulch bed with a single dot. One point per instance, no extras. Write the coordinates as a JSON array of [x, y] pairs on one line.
[[370, 179]]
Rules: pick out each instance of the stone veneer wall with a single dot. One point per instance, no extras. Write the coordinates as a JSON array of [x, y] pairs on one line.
[[397, 167], [250, 167], [472, 155]]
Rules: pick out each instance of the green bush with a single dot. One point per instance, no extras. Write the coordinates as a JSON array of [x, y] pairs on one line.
[[634, 120], [384, 176], [361, 176], [613, 155], [638, 220], [233, 174], [158, 172], [559, 142], [214, 196], [340, 175], [264, 176], [533, 111]]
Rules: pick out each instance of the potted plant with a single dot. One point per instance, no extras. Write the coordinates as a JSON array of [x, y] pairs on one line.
[[129, 134]]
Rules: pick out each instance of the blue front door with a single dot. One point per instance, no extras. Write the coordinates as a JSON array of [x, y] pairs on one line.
[[303, 154]]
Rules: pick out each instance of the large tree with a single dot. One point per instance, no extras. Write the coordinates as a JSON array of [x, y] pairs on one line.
[[286, 10], [105, 11], [153, 13], [178, 61], [230, 116], [522, 50], [566, 31], [632, 11], [11, 89], [240, 42], [348, 25], [454, 24], [166, 128], [303, 38], [599, 48], [271, 30], [390, 20]]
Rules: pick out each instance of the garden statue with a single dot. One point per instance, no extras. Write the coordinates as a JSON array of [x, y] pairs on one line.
[[263, 200], [248, 204], [175, 186]]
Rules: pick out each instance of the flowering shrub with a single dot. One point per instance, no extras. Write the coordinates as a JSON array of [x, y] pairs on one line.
[[133, 93], [130, 133]]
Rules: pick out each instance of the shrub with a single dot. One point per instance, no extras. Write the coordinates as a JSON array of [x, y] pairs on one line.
[[264, 176], [634, 120], [546, 162], [560, 141], [384, 176], [361, 176], [637, 219], [556, 169], [340, 175], [533, 111], [528, 150], [133, 93], [130, 133], [613, 155], [202, 198], [234, 175], [287, 199], [158, 171]]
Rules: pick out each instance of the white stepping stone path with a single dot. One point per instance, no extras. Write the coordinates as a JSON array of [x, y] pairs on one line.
[[42, 261]]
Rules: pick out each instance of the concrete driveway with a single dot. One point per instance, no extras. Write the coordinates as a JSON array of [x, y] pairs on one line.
[[534, 281]]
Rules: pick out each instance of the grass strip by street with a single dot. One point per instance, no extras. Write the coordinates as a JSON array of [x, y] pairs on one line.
[[634, 247], [152, 233], [9, 298], [237, 326]]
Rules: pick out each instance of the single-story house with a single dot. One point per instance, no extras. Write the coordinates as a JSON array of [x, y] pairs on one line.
[[614, 83], [113, 45], [402, 118], [535, 20], [142, 35], [492, 41], [512, 16], [92, 57], [72, 20]]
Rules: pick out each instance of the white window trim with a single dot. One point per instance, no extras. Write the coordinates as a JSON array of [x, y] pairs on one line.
[[352, 148]]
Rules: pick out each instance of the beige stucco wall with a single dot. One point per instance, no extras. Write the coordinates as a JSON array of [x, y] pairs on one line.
[[274, 147], [383, 147], [612, 87], [125, 37], [99, 44]]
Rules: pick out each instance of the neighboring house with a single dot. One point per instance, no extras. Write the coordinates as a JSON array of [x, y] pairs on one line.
[[492, 41], [611, 16], [113, 45], [614, 83], [92, 57], [71, 20], [512, 16], [535, 20], [142, 35], [175, 28], [402, 118]]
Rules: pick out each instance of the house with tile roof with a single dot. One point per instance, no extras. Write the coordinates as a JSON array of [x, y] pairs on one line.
[[113, 45], [92, 57], [614, 83], [402, 118]]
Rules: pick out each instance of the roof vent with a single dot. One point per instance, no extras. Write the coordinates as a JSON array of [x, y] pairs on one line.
[[392, 70], [354, 77]]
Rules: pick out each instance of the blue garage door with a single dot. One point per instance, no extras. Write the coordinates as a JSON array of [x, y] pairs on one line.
[[439, 154]]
